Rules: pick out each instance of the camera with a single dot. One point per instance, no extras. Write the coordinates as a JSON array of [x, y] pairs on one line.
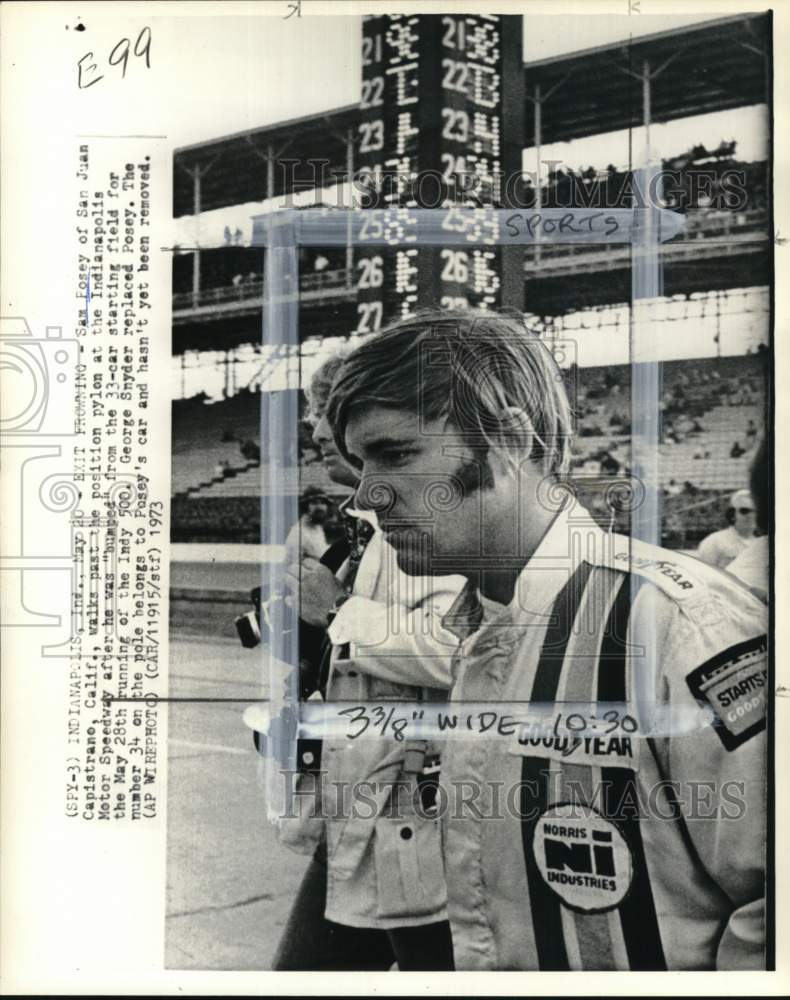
[[248, 625], [37, 397], [314, 646]]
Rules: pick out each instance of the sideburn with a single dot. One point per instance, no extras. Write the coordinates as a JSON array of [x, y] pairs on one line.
[[474, 474]]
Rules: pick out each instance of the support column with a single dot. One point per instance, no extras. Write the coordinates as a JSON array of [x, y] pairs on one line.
[[280, 504], [196, 178], [349, 226], [645, 412], [269, 172], [718, 323], [645, 373], [537, 139]]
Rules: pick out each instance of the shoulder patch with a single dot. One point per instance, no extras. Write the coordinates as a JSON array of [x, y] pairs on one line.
[[706, 613], [734, 683]]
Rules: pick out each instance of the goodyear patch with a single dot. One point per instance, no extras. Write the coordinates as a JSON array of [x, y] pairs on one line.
[[663, 572], [582, 857], [734, 684], [569, 748]]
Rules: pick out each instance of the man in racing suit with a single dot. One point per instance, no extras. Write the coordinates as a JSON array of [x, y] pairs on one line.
[[629, 831], [619, 850]]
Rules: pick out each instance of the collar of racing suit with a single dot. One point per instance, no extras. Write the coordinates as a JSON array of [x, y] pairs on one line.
[[571, 538]]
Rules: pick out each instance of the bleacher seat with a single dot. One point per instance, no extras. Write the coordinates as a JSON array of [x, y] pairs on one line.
[[724, 394]]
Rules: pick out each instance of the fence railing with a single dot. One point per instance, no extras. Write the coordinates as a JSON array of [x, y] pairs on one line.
[[252, 290], [701, 224]]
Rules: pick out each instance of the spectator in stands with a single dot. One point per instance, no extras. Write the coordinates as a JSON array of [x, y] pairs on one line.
[[609, 464], [751, 565], [721, 547], [737, 450], [307, 538], [591, 430], [673, 489], [672, 531], [250, 450]]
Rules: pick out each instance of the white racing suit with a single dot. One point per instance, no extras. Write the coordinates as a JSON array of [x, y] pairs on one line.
[[615, 849]]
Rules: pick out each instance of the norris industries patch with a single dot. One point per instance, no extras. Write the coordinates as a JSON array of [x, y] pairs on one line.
[[734, 684], [583, 857]]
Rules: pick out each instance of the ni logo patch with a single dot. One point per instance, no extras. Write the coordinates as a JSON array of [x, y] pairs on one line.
[[582, 857], [734, 683]]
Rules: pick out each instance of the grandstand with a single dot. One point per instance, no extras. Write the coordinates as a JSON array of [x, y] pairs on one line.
[[707, 406]]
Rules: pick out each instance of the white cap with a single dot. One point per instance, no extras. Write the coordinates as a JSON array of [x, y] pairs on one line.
[[742, 498]]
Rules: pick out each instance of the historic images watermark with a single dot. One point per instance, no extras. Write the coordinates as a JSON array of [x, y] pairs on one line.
[[310, 795], [692, 187]]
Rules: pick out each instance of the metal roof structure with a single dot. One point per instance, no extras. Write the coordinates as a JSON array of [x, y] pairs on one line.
[[581, 93], [599, 90], [239, 168]]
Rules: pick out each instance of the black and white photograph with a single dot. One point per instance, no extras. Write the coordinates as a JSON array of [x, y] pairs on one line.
[[509, 476]]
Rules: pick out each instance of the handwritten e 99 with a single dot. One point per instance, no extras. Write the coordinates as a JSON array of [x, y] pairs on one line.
[[86, 69]]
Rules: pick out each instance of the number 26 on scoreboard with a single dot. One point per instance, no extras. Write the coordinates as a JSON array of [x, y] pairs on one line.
[[371, 272]]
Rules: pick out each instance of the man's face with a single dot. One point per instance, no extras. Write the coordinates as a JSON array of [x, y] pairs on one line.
[[425, 485], [338, 469], [317, 510], [745, 521]]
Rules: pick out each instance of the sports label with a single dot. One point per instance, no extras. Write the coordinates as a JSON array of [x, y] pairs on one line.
[[733, 683], [582, 857]]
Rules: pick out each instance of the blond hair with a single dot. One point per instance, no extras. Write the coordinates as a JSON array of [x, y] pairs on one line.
[[487, 373]]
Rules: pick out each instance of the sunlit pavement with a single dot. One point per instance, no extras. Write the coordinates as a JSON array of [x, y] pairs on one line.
[[229, 882]]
